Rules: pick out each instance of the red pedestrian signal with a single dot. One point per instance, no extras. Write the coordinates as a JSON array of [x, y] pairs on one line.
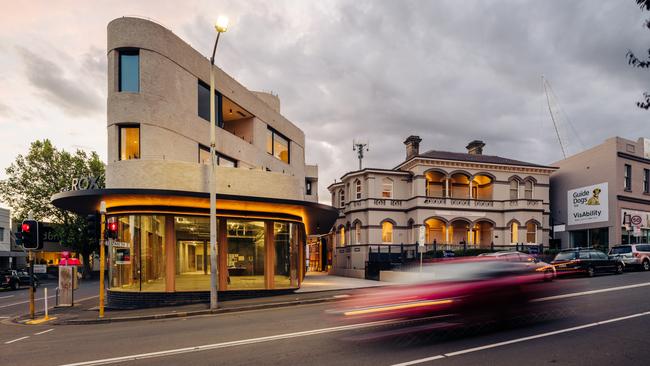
[[31, 235], [111, 228]]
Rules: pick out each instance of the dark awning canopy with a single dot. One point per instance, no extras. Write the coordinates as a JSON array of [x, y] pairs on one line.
[[318, 218]]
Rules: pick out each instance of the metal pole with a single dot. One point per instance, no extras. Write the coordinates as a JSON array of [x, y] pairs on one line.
[[213, 193], [31, 286], [46, 313], [102, 256]]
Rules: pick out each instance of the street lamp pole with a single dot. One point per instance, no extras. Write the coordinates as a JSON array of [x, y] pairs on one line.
[[221, 26]]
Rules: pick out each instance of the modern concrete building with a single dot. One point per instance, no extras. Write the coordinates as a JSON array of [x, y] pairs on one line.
[[601, 196], [158, 171], [460, 198]]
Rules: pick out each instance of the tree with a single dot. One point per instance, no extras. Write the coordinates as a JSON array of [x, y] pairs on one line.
[[33, 179], [643, 64]]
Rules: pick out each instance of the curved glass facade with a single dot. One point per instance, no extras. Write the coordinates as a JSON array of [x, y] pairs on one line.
[[169, 253]]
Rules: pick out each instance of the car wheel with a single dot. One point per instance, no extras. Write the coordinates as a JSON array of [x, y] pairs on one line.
[[591, 272], [15, 286], [548, 275], [646, 265], [619, 268]]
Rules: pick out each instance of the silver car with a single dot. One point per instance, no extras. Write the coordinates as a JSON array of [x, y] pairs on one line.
[[633, 255]]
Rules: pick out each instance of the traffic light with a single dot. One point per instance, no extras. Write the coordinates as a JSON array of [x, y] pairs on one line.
[[31, 235], [111, 228], [92, 227]]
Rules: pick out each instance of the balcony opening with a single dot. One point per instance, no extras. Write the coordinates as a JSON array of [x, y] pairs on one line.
[[436, 184], [482, 187], [436, 230], [237, 120], [459, 185]]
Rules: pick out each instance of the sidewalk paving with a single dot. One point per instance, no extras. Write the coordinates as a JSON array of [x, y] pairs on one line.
[[316, 288]]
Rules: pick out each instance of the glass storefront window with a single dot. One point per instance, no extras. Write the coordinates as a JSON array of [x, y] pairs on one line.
[[246, 254], [192, 253], [138, 255], [286, 239]]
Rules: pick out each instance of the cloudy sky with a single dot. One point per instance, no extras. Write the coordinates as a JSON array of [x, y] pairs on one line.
[[448, 71]]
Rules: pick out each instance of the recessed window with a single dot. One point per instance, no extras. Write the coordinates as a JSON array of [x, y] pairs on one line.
[[386, 188], [277, 145], [129, 71], [646, 180], [514, 189], [203, 103], [342, 236], [357, 233], [386, 232], [222, 160], [531, 233], [129, 142], [357, 188], [341, 198], [627, 182], [514, 232], [308, 187], [528, 190]]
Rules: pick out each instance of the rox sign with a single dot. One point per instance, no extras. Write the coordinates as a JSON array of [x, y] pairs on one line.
[[83, 183]]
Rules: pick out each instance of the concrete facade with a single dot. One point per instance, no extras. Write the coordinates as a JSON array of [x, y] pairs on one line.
[[604, 163], [171, 130], [459, 198]]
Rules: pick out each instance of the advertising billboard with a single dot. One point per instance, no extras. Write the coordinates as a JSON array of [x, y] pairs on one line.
[[587, 205]]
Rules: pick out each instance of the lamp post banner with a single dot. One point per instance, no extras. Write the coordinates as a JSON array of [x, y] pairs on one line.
[[586, 205]]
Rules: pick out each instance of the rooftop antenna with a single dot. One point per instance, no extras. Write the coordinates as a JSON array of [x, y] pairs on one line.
[[360, 146]]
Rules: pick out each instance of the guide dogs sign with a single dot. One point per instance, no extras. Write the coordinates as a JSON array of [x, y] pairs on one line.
[[587, 205]]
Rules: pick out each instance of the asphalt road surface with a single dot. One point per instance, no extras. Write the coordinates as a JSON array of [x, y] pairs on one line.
[[14, 303], [597, 321]]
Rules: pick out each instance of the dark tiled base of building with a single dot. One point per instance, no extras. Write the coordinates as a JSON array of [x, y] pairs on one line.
[[122, 300]]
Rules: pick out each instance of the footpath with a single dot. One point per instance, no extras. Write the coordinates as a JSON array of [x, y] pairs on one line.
[[316, 288]]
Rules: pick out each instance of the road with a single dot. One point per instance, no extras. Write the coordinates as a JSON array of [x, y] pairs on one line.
[[14, 303], [605, 322]]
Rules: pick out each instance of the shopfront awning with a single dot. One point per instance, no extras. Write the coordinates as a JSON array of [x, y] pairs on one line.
[[318, 218]]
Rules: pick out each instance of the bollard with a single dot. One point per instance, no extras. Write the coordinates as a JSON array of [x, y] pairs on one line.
[[46, 313]]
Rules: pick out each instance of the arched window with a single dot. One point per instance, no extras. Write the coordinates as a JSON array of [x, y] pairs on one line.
[[342, 236], [531, 232], [357, 233], [514, 189], [528, 190], [357, 188], [387, 188], [386, 232], [342, 198], [514, 232]]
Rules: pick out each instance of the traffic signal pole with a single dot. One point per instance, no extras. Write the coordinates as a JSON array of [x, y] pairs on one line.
[[31, 285], [102, 257]]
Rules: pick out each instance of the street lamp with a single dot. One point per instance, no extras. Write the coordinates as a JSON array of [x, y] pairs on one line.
[[221, 26]]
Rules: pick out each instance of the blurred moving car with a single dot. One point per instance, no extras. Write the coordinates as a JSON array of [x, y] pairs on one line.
[[633, 255], [532, 262], [588, 261], [14, 279], [463, 291]]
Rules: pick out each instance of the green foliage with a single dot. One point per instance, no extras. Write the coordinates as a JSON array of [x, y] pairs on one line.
[[634, 61], [34, 178]]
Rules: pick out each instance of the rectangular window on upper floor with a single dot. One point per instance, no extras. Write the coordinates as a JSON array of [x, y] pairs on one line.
[[277, 145], [646, 180], [203, 100], [129, 71], [222, 160], [129, 143], [627, 177], [308, 187]]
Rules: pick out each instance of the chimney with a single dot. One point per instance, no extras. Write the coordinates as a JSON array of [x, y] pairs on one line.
[[412, 146], [475, 147]]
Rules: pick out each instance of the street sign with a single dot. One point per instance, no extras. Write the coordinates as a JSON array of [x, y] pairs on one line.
[[40, 268]]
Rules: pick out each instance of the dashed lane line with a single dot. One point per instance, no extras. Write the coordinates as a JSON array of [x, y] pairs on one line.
[[16, 340]]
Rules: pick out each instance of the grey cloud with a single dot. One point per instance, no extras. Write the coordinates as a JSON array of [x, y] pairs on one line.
[[77, 94], [447, 71]]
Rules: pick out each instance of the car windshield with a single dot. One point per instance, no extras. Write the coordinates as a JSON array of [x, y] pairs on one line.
[[621, 250], [565, 256]]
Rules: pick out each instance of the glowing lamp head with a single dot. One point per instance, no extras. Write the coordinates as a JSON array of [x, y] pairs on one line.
[[222, 24], [25, 228]]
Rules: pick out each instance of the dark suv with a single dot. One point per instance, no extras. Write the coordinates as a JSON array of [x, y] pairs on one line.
[[589, 261]]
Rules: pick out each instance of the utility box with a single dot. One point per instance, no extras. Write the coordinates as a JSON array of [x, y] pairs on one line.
[[67, 279]]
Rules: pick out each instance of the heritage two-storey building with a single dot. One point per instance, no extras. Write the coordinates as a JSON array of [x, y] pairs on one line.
[[460, 198]]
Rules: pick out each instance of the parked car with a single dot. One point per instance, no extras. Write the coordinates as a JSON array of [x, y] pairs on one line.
[[15, 279], [589, 261], [633, 255], [532, 262]]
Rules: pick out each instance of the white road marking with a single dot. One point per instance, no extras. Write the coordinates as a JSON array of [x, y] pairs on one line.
[[232, 343], [557, 297], [6, 297], [16, 340], [24, 302], [45, 331], [518, 340]]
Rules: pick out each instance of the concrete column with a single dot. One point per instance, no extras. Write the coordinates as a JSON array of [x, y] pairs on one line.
[[470, 189], [447, 193]]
